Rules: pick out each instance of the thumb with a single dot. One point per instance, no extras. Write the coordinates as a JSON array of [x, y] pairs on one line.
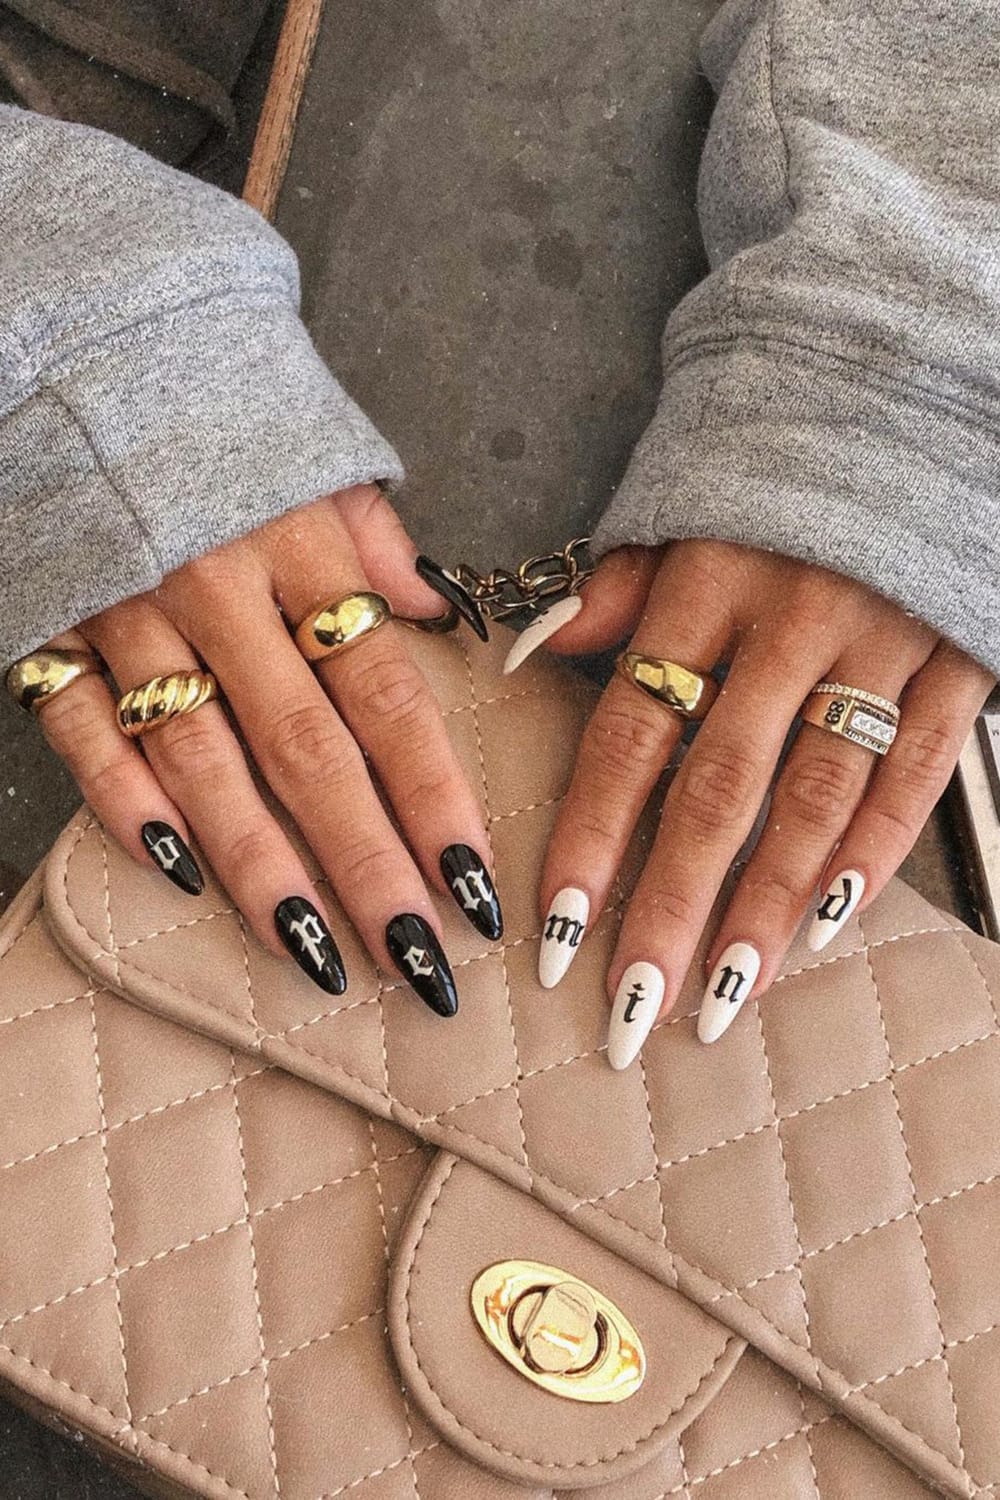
[[613, 601], [386, 550]]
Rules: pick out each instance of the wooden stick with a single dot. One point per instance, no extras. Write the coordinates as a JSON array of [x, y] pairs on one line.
[[276, 127]]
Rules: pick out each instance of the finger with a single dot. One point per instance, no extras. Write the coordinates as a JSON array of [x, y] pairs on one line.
[[390, 709], [315, 767], [708, 813], [938, 710], [385, 551], [813, 800], [114, 778], [199, 763], [625, 747], [613, 601]]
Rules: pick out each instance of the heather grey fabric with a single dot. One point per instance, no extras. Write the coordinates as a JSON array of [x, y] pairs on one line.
[[832, 389], [158, 393]]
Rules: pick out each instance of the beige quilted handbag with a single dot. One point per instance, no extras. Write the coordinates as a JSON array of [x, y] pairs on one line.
[[241, 1221]]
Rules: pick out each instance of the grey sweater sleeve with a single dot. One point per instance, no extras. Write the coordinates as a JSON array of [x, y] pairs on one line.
[[832, 389], [158, 393]]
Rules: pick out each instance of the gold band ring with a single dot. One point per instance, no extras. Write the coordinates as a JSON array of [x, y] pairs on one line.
[[40, 675], [336, 626], [153, 703], [690, 694], [859, 716]]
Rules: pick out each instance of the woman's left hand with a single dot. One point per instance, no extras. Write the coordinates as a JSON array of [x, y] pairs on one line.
[[840, 820]]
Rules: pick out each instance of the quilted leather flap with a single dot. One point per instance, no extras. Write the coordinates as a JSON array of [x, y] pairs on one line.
[[825, 1180], [464, 1220], [193, 1275]]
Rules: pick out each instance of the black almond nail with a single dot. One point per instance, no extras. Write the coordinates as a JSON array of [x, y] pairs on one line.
[[171, 855], [420, 959], [453, 592], [474, 892], [310, 942]]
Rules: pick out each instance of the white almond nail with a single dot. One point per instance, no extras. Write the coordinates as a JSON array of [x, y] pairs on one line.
[[529, 640], [636, 1007], [839, 900], [562, 934], [732, 980]]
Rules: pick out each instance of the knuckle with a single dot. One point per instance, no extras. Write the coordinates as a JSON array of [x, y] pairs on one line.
[[663, 904], [304, 741], [716, 789], [361, 865], [621, 740], [106, 784], [773, 896], [892, 830], [924, 757], [189, 746], [818, 793], [391, 689], [251, 848], [595, 827]]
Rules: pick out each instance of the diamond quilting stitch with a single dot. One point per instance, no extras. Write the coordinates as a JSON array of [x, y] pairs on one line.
[[863, 1083]]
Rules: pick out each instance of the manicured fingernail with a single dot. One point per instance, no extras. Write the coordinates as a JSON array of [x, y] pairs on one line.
[[530, 639], [561, 935], [420, 959], [473, 890], [173, 857], [839, 900], [637, 1004], [453, 592], [310, 942], [732, 980]]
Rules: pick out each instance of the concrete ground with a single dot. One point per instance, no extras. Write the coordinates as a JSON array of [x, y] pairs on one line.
[[494, 208]]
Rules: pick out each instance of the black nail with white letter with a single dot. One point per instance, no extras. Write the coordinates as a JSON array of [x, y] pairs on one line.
[[173, 857], [470, 884], [454, 593], [419, 957], [310, 942]]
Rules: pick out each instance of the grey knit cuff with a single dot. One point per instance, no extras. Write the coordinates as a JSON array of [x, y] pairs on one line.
[[159, 448], [813, 456]]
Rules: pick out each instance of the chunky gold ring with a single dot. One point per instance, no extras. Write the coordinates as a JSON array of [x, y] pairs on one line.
[[40, 675], [338, 625], [859, 716], [690, 694], [153, 703]]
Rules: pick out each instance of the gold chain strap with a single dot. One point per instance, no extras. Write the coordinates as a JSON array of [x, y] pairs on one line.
[[534, 584]]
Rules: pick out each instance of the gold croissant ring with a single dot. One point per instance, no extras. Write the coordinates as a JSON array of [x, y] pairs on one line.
[[161, 698], [339, 625], [36, 678], [690, 694]]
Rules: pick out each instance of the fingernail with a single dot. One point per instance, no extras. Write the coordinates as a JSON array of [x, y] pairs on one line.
[[637, 1004], [453, 592], [530, 639], [173, 857], [473, 890], [310, 942], [839, 900], [420, 959], [561, 935], [732, 980]]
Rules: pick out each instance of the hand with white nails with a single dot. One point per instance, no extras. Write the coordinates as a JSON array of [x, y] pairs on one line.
[[840, 819]]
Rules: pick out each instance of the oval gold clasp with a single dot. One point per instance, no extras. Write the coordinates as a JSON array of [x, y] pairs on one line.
[[558, 1332]]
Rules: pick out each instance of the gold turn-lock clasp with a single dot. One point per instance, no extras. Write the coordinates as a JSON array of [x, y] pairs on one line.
[[558, 1332]]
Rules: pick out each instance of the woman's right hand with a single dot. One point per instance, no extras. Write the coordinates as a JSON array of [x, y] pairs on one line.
[[310, 732]]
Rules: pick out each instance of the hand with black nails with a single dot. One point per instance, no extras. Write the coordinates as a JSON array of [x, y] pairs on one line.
[[312, 729], [841, 817]]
